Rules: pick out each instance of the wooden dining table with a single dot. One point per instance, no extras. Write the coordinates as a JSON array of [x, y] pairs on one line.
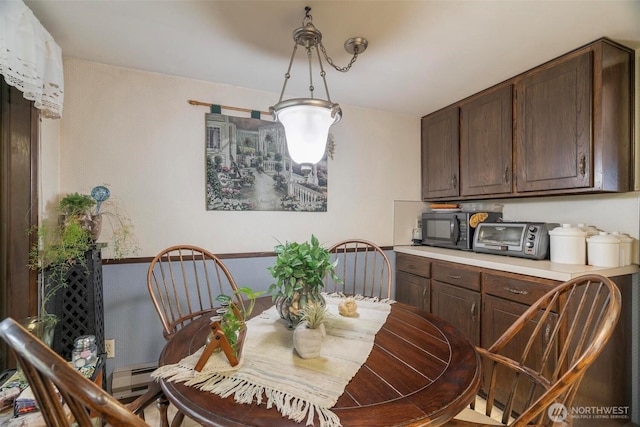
[[421, 372]]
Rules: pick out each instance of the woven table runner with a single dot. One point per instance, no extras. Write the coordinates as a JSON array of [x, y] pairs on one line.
[[271, 372]]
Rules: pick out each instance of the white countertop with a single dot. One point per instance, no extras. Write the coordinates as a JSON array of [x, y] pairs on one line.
[[537, 268]]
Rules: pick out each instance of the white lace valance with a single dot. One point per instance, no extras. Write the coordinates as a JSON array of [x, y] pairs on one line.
[[30, 59]]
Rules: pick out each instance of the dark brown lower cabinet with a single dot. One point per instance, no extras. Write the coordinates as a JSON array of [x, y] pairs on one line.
[[458, 306], [413, 290], [482, 303], [498, 315], [413, 284]]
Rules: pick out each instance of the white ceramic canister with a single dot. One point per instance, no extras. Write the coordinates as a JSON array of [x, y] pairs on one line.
[[568, 245], [604, 250], [589, 229], [625, 248]]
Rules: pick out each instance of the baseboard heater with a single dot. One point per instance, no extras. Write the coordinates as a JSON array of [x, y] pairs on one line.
[[132, 381]]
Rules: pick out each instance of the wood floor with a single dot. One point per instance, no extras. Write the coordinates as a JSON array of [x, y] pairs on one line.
[[151, 417]]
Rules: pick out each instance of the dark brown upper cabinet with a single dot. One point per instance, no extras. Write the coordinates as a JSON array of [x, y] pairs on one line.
[[574, 123], [440, 154], [564, 127], [486, 122]]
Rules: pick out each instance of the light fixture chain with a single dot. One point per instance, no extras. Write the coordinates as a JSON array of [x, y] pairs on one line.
[[330, 61]]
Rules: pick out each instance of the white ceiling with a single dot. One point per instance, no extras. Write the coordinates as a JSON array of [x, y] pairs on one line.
[[422, 55]]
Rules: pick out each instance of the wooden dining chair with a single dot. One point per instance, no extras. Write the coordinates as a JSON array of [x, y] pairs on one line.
[[65, 397], [363, 268], [563, 333], [184, 282]]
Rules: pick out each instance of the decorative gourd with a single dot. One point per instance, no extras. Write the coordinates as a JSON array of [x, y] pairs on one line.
[[348, 308]]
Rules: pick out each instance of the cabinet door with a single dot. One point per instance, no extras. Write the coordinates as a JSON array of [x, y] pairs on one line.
[[497, 315], [460, 307], [440, 154], [553, 136], [413, 290], [486, 143]]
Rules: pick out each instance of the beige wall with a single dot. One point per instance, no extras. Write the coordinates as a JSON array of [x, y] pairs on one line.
[[135, 131]]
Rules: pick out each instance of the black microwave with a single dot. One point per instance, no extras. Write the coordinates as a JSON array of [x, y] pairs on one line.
[[453, 229]]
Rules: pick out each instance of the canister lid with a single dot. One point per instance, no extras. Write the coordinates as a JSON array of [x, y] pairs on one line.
[[604, 238], [567, 230], [589, 229], [624, 238]]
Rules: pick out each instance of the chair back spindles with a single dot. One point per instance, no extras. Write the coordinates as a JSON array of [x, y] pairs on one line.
[[66, 398], [563, 332], [184, 282], [363, 268]]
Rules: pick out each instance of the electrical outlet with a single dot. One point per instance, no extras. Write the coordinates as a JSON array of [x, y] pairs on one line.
[[110, 348]]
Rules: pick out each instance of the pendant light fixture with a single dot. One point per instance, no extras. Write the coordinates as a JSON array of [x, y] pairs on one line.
[[307, 121]]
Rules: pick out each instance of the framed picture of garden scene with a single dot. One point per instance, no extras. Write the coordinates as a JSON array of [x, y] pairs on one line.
[[248, 169]]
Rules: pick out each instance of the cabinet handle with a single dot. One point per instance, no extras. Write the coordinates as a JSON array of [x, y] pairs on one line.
[[583, 165], [454, 276], [473, 311], [506, 174], [454, 181], [516, 291]]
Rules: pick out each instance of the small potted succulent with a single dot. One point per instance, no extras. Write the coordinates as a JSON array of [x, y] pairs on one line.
[[308, 334]]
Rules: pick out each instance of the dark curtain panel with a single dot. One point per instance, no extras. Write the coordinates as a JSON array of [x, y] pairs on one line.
[[18, 207]]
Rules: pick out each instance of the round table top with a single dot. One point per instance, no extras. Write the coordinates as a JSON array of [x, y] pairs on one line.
[[421, 371]]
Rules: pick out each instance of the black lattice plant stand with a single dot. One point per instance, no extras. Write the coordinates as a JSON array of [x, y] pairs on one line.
[[80, 306]]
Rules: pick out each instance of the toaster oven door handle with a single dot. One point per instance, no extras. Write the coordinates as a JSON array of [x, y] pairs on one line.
[[497, 247]]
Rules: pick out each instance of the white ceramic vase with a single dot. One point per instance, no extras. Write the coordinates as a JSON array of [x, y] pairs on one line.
[[307, 341]]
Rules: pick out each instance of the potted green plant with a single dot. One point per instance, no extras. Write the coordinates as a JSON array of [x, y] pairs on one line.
[[76, 207], [234, 316], [300, 270], [63, 243], [59, 248], [308, 334]]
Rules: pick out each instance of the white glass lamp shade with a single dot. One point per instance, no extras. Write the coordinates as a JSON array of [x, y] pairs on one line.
[[306, 126]]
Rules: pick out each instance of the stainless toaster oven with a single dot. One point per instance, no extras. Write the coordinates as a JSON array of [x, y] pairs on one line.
[[518, 239]]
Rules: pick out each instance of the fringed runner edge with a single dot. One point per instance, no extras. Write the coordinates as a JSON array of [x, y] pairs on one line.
[[359, 298], [244, 392]]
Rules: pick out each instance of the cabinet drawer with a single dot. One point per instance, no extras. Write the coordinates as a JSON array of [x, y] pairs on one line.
[[515, 288], [456, 274], [413, 264]]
